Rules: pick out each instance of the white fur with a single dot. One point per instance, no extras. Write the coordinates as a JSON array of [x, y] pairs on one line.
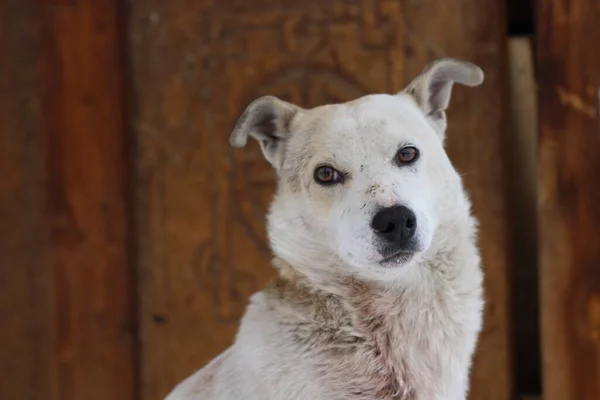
[[338, 323]]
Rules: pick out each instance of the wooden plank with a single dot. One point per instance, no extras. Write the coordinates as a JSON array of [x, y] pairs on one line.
[[569, 214], [523, 198], [86, 200], [201, 206], [25, 279]]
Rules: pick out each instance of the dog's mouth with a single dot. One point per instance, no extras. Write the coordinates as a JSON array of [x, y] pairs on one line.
[[398, 257]]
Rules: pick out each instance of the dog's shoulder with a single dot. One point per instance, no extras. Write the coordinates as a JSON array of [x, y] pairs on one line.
[[203, 383]]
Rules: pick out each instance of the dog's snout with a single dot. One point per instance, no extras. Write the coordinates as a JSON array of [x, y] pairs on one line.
[[396, 224]]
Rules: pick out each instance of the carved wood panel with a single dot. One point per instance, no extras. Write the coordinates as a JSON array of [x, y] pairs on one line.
[[200, 205]]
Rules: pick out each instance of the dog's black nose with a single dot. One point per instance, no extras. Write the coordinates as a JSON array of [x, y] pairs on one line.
[[396, 224]]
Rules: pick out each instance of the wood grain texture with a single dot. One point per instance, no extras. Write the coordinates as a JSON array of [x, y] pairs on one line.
[[25, 279], [86, 201], [569, 213], [200, 217]]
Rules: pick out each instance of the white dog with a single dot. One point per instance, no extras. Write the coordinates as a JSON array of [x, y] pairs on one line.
[[379, 287]]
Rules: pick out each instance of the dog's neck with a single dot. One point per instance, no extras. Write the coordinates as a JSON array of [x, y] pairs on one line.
[[389, 321]]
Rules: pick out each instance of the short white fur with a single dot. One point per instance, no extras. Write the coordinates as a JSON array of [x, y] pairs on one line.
[[338, 322]]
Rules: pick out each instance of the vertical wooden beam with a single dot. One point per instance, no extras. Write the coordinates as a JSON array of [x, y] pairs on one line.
[[25, 277], [568, 62], [86, 208], [523, 192]]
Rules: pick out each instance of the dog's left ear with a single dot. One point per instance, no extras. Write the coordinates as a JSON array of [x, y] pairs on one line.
[[433, 87], [267, 120]]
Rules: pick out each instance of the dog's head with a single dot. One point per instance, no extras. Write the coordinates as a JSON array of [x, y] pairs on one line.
[[364, 184]]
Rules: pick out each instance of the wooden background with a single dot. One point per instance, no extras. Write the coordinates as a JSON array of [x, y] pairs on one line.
[[200, 205], [132, 235], [569, 198]]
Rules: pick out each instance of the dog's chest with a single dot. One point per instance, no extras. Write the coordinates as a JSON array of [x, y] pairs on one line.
[[397, 351], [367, 344]]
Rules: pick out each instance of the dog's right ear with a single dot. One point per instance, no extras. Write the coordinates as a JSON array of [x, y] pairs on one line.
[[432, 89], [266, 119]]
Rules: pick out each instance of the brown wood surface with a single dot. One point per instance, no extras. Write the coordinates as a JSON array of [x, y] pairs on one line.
[[569, 204], [81, 66], [200, 205], [25, 279]]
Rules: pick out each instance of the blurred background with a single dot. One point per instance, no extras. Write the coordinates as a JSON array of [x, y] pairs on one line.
[[131, 235]]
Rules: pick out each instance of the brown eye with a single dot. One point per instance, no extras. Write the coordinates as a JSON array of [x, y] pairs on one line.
[[326, 175], [407, 155]]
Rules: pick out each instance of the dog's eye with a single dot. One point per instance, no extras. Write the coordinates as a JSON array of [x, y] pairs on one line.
[[327, 175], [407, 155]]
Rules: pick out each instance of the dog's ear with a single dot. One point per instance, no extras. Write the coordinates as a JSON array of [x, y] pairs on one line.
[[266, 119], [433, 87]]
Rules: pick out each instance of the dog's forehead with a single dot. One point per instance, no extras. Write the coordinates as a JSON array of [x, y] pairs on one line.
[[382, 119], [368, 130]]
